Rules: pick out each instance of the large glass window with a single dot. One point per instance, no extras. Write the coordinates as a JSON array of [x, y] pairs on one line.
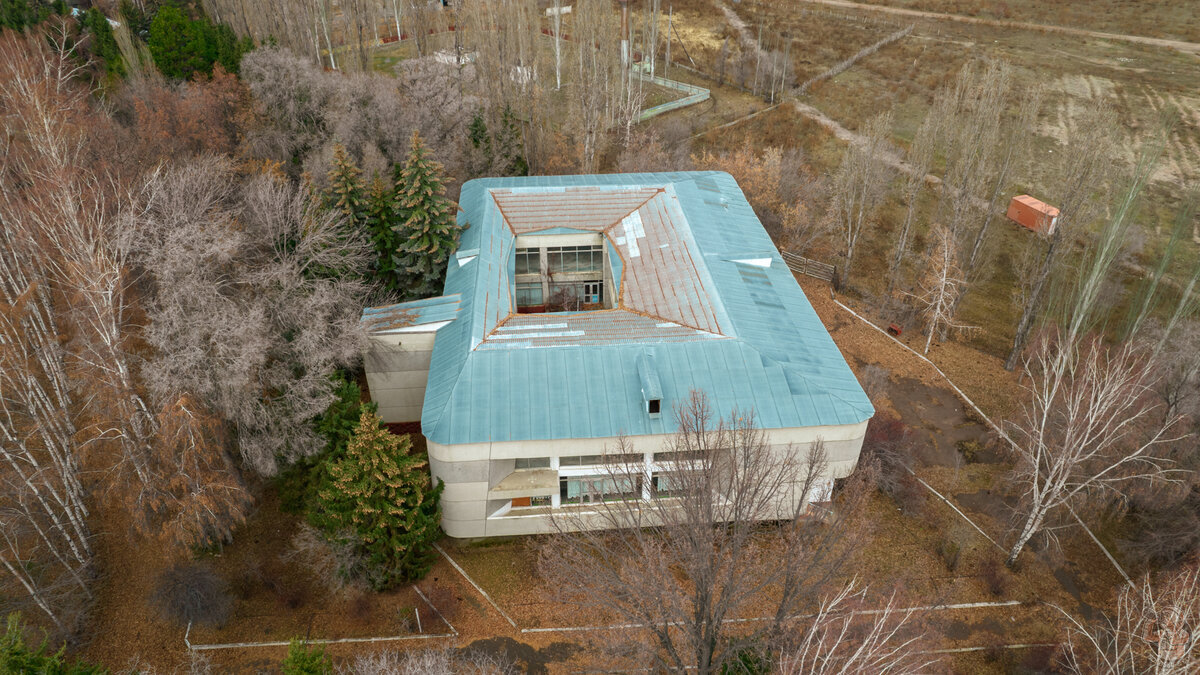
[[591, 489], [667, 485], [533, 463], [529, 294], [529, 261], [574, 259]]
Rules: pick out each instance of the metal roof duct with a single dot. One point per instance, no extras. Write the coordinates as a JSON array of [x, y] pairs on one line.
[[652, 392]]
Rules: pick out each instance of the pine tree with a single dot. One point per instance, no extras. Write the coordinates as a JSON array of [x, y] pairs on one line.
[[426, 222], [510, 155], [345, 192], [378, 500], [380, 225]]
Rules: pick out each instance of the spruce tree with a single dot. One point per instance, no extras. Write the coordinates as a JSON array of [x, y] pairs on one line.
[[345, 193], [425, 221], [377, 499], [380, 225]]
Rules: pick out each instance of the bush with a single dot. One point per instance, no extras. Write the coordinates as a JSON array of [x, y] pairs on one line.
[[433, 661], [303, 659], [949, 551], [970, 449], [248, 580], [1162, 534], [994, 576], [886, 452], [191, 592], [323, 560]]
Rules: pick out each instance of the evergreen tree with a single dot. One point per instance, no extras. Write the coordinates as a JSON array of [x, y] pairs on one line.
[[481, 140], [18, 657], [179, 45], [426, 223], [345, 193], [377, 499], [104, 44], [380, 224], [297, 485], [182, 46], [508, 146], [19, 14], [303, 659]]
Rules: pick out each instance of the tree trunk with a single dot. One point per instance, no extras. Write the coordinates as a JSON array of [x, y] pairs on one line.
[[1025, 325], [1032, 525]]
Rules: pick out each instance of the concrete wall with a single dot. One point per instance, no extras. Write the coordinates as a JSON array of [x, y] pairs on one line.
[[397, 366], [470, 470]]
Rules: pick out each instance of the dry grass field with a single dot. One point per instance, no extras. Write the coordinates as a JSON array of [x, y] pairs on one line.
[[1171, 19]]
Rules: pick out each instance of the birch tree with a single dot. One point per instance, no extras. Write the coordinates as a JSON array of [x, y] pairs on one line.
[[1090, 423], [46, 544], [860, 186], [941, 286], [1152, 630], [847, 636]]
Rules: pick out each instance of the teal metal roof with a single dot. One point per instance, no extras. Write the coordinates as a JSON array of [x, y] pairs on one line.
[[412, 313], [706, 303]]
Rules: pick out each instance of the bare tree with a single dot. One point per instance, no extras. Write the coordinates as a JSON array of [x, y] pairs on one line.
[[920, 159], [681, 550], [861, 185], [842, 638], [46, 543], [969, 128], [1091, 423], [244, 314], [1152, 630], [1086, 161], [941, 286]]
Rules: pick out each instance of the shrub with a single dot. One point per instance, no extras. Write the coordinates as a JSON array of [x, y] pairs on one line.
[[433, 661], [323, 560], [949, 551], [248, 580], [885, 454], [304, 659], [1162, 532], [191, 592], [970, 449], [994, 576]]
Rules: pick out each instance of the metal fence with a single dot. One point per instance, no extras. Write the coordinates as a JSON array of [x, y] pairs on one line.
[[812, 268]]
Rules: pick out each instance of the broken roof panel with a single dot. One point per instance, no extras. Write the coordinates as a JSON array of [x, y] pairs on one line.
[[412, 314]]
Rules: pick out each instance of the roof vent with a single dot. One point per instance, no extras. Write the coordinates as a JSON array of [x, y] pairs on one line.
[[651, 386]]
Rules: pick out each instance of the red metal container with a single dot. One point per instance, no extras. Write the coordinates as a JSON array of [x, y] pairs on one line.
[[1033, 214]]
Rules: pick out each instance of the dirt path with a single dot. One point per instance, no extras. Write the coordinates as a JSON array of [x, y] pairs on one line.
[[1179, 45]]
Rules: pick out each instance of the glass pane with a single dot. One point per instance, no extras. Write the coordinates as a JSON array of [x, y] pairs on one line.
[[528, 261], [533, 463]]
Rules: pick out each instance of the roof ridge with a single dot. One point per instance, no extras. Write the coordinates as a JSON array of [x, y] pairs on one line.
[[657, 193]]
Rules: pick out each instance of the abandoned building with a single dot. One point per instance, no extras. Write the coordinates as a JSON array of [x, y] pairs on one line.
[[581, 309]]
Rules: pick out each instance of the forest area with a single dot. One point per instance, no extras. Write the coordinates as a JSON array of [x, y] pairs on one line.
[[198, 200]]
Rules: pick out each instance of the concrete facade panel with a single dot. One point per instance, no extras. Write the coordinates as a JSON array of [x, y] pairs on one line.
[[460, 472]]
